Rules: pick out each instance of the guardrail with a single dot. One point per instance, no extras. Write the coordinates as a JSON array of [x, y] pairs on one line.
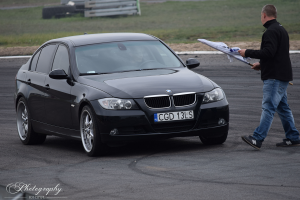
[[99, 8]]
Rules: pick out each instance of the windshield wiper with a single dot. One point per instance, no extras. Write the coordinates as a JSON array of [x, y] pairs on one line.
[[152, 69], [138, 70], [83, 74]]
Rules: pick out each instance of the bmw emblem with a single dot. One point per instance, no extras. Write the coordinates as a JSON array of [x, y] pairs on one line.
[[168, 91]]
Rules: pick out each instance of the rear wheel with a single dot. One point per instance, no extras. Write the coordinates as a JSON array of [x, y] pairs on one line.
[[90, 135], [214, 140], [25, 130]]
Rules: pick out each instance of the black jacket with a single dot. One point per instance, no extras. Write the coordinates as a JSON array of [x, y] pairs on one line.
[[274, 53]]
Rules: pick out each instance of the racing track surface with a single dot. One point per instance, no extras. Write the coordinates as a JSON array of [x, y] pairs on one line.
[[180, 168]]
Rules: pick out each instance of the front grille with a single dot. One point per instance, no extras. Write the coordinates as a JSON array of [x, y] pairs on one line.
[[158, 102], [173, 127], [184, 99]]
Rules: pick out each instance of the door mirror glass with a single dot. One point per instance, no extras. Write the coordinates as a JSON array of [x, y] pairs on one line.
[[192, 63], [58, 74]]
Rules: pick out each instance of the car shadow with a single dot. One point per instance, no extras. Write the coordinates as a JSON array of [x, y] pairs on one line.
[[173, 145]]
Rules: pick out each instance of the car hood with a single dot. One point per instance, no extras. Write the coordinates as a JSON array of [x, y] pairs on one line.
[[137, 84]]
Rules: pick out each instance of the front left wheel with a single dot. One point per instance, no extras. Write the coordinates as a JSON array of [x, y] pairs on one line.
[[90, 135]]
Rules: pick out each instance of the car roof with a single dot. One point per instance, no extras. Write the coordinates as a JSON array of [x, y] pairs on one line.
[[86, 39]]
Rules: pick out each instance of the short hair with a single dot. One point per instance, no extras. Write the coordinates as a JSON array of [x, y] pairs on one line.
[[270, 10]]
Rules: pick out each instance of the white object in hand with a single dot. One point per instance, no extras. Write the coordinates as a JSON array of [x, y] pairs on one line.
[[231, 52]]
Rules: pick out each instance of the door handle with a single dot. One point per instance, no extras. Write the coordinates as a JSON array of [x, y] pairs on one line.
[[29, 81], [47, 87]]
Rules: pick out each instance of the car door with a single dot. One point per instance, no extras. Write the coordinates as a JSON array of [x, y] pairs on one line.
[[35, 77], [58, 101]]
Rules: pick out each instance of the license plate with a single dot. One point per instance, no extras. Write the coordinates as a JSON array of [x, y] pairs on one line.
[[173, 116]]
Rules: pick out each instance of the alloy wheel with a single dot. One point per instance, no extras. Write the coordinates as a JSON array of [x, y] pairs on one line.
[[87, 131], [22, 120]]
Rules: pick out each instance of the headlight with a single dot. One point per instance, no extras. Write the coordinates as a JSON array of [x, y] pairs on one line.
[[214, 95], [118, 104]]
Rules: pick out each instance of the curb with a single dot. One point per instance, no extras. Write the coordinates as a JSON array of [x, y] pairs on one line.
[[12, 57]]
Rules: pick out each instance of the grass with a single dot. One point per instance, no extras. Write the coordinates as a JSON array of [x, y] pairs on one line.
[[174, 22]]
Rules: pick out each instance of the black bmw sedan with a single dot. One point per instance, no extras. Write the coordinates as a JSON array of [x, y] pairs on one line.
[[119, 87]]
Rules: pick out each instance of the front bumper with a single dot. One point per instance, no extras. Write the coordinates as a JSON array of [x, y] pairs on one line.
[[133, 125]]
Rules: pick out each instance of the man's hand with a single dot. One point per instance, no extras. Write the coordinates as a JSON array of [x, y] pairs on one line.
[[256, 66], [242, 52]]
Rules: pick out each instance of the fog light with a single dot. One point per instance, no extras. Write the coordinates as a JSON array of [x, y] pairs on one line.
[[114, 132], [221, 121]]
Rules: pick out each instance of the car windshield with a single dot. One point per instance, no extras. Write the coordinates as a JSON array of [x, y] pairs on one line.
[[124, 56]]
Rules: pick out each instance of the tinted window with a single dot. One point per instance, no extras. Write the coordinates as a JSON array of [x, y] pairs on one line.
[[34, 61], [124, 56], [61, 60], [45, 59]]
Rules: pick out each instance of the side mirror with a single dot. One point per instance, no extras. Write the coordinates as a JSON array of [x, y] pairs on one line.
[[58, 74], [192, 63]]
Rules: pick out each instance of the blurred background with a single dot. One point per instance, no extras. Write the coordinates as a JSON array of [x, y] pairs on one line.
[[179, 23]]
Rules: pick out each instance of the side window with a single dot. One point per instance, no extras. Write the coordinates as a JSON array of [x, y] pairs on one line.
[[61, 60], [45, 59], [34, 61]]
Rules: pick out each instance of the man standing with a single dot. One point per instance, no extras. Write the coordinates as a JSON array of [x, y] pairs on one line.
[[276, 72]]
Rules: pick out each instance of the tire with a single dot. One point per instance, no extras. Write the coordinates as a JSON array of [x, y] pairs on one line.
[[53, 11], [24, 126], [90, 135], [214, 141], [79, 7]]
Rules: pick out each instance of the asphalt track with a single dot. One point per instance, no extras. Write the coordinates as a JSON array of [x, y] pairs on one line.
[[180, 168]]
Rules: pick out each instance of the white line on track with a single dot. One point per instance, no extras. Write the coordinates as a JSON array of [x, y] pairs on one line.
[[177, 52], [12, 57]]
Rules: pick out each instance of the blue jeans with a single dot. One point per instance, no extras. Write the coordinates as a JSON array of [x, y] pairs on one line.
[[275, 100]]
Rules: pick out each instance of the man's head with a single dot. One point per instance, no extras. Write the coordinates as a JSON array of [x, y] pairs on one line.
[[268, 13]]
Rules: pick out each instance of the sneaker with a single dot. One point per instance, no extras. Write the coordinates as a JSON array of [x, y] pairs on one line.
[[252, 141], [288, 143]]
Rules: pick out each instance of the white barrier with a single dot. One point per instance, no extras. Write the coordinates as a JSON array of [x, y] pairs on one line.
[[111, 7]]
